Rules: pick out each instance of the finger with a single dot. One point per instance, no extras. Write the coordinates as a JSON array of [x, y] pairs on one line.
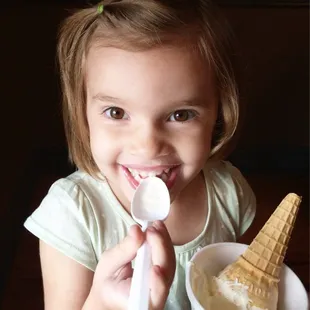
[[123, 253], [162, 250], [124, 272], [161, 227], [123, 281], [159, 288]]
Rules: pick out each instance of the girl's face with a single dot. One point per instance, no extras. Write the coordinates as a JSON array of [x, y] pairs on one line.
[[149, 113]]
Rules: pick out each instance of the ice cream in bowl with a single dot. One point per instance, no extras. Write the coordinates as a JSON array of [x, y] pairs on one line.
[[234, 276]]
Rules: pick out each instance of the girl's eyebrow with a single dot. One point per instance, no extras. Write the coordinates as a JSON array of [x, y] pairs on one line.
[[104, 98], [192, 103], [195, 102]]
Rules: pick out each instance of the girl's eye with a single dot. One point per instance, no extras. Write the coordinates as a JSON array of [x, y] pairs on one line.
[[115, 113], [182, 115]]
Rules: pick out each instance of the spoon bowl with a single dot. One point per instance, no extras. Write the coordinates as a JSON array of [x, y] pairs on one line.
[[151, 201]]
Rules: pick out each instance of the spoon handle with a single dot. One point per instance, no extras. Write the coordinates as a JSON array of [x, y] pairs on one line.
[[140, 288]]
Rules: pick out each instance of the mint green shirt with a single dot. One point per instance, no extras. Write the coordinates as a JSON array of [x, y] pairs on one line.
[[81, 217]]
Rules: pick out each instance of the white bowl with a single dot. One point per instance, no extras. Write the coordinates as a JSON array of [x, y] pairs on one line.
[[215, 257]]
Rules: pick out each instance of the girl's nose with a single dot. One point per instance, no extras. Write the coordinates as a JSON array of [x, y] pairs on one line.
[[148, 143]]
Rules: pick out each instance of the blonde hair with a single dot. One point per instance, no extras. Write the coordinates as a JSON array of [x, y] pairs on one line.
[[142, 25]]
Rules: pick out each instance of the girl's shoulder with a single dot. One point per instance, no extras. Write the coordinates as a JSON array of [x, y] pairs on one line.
[[231, 193], [224, 175], [77, 217], [88, 199], [62, 220], [82, 190], [221, 168], [76, 182]]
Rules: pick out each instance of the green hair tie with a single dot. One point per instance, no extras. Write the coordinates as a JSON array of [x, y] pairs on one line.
[[100, 8]]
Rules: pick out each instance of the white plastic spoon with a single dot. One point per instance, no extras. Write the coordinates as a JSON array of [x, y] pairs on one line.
[[151, 202]]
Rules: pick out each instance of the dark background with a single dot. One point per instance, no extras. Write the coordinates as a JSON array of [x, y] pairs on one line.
[[273, 150]]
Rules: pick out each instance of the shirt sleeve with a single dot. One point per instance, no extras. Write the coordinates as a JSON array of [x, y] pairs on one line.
[[61, 221], [245, 197]]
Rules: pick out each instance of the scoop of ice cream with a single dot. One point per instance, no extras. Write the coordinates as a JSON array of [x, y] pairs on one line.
[[241, 295], [261, 288], [217, 294]]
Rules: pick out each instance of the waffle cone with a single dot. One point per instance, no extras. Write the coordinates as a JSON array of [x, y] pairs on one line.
[[259, 266], [268, 249]]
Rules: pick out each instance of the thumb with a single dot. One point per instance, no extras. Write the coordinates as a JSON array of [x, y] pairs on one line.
[[123, 253]]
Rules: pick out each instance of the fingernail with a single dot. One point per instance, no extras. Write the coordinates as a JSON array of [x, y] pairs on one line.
[[157, 270], [158, 224]]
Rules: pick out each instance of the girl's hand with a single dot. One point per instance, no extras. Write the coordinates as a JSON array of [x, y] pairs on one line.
[[163, 259], [112, 279]]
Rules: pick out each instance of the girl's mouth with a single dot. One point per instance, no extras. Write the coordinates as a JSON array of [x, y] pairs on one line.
[[167, 174]]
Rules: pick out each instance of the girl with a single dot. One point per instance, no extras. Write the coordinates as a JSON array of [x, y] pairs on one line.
[[148, 89]]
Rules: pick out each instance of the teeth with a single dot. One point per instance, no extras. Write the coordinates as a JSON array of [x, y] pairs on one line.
[[133, 172], [143, 174], [138, 175], [137, 178]]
